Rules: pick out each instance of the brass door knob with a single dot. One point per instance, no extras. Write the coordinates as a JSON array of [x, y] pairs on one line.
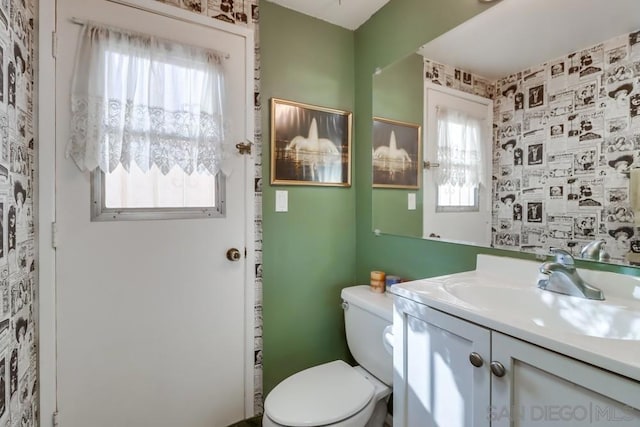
[[233, 254]]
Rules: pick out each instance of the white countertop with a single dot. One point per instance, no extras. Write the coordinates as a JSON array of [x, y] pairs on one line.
[[514, 318]]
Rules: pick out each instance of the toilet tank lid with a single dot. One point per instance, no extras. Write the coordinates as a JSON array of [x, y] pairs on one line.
[[324, 394], [380, 304]]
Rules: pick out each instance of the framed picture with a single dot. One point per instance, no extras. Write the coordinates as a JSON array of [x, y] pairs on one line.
[[310, 145], [396, 154]]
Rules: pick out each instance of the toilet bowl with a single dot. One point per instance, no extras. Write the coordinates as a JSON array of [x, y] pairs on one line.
[[336, 394], [332, 394]]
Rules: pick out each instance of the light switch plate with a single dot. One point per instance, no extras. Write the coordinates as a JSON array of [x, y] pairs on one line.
[[411, 201], [282, 201]]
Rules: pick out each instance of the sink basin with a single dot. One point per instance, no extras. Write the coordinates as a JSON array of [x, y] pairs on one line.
[[501, 295], [601, 319]]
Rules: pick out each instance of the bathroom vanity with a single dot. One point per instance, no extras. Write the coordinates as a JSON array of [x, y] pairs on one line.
[[488, 348]]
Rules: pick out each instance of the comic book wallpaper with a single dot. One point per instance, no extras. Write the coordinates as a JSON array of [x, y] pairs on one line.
[[566, 142], [245, 13], [18, 352]]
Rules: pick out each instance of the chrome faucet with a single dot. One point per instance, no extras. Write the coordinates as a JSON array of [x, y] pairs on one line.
[[561, 276], [595, 251]]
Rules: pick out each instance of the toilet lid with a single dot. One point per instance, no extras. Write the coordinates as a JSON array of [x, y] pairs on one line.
[[320, 395]]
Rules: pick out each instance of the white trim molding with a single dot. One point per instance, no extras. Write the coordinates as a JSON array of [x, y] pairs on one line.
[[44, 199]]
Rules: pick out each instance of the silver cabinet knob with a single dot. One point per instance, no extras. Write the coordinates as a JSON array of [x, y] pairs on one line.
[[476, 359], [233, 254], [498, 369]]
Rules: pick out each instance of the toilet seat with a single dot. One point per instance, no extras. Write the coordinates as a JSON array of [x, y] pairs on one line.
[[321, 395]]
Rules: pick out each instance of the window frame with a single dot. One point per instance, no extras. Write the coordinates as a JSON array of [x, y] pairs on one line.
[[452, 208], [100, 212]]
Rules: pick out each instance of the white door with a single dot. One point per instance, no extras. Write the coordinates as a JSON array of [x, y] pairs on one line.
[[151, 321], [452, 222]]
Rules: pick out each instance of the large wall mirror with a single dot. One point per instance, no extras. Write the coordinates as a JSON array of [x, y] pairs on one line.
[[528, 131]]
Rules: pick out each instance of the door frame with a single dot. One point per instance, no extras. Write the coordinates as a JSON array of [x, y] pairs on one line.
[[45, 196]]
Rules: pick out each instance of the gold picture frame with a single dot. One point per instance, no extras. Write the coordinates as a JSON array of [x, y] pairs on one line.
[[310, 145], [397, 154]]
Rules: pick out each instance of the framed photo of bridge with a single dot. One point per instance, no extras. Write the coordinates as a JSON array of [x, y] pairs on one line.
[[310, 145], [396, 154]]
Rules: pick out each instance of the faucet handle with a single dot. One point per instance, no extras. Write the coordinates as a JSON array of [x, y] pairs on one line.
[[592, 250], [563, 257]]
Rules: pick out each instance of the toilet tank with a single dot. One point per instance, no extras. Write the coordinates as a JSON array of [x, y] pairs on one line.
[[366, 314]]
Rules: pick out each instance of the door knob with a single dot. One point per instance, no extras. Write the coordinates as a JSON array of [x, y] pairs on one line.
[[498, 369], [233, 254], [476, 359]]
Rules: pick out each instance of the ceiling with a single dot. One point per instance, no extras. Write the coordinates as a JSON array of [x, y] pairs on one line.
[[349, 14], [517, 34]]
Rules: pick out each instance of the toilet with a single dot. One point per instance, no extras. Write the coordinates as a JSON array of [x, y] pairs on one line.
[[335, 393]]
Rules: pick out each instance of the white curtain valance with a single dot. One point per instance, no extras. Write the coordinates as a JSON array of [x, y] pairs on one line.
[[144, 100], [460, 151]]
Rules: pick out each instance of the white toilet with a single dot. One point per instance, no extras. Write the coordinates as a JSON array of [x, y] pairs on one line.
[[335, 393]]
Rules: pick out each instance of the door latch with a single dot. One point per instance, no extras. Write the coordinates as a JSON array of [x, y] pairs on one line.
[[244, 148], [430, 165]]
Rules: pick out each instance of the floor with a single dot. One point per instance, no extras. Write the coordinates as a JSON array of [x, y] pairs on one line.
[[257, 422], [249, 422]]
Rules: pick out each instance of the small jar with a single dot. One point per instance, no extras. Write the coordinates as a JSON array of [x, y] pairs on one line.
[[377, 282]]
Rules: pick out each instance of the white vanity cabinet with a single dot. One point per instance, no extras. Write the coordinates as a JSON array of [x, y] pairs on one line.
[[436, 383]]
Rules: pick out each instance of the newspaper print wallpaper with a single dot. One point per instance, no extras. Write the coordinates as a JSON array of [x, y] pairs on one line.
[[446, 75], [240, 12], [566, 138], [18, 344], [567, 134], [245, 13]]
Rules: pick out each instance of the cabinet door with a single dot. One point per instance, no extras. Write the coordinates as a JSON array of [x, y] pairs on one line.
[[435, 383], [541, 387]]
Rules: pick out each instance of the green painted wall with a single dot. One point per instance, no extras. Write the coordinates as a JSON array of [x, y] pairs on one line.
[[396, 30], [308, 252], [391, 215], [397, 95]]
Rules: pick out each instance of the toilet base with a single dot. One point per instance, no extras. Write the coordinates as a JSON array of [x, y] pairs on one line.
[[379, 414]]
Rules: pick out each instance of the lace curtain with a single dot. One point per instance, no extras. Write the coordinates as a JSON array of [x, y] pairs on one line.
[[139, 99], [460, 151]]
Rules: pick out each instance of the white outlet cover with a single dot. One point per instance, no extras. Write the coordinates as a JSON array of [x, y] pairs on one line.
[[411, 201], [282, 201]]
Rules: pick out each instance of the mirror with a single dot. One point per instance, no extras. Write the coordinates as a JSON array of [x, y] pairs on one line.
[[560, 83]]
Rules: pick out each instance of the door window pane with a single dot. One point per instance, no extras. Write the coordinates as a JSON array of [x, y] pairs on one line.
[[451, 198], [176, 189]]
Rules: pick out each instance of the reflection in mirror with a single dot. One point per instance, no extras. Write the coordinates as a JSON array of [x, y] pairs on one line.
[[559, 163], [457, 183], [397, 97]]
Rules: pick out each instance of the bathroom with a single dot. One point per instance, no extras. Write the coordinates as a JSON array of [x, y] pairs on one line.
[[303, 257]]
